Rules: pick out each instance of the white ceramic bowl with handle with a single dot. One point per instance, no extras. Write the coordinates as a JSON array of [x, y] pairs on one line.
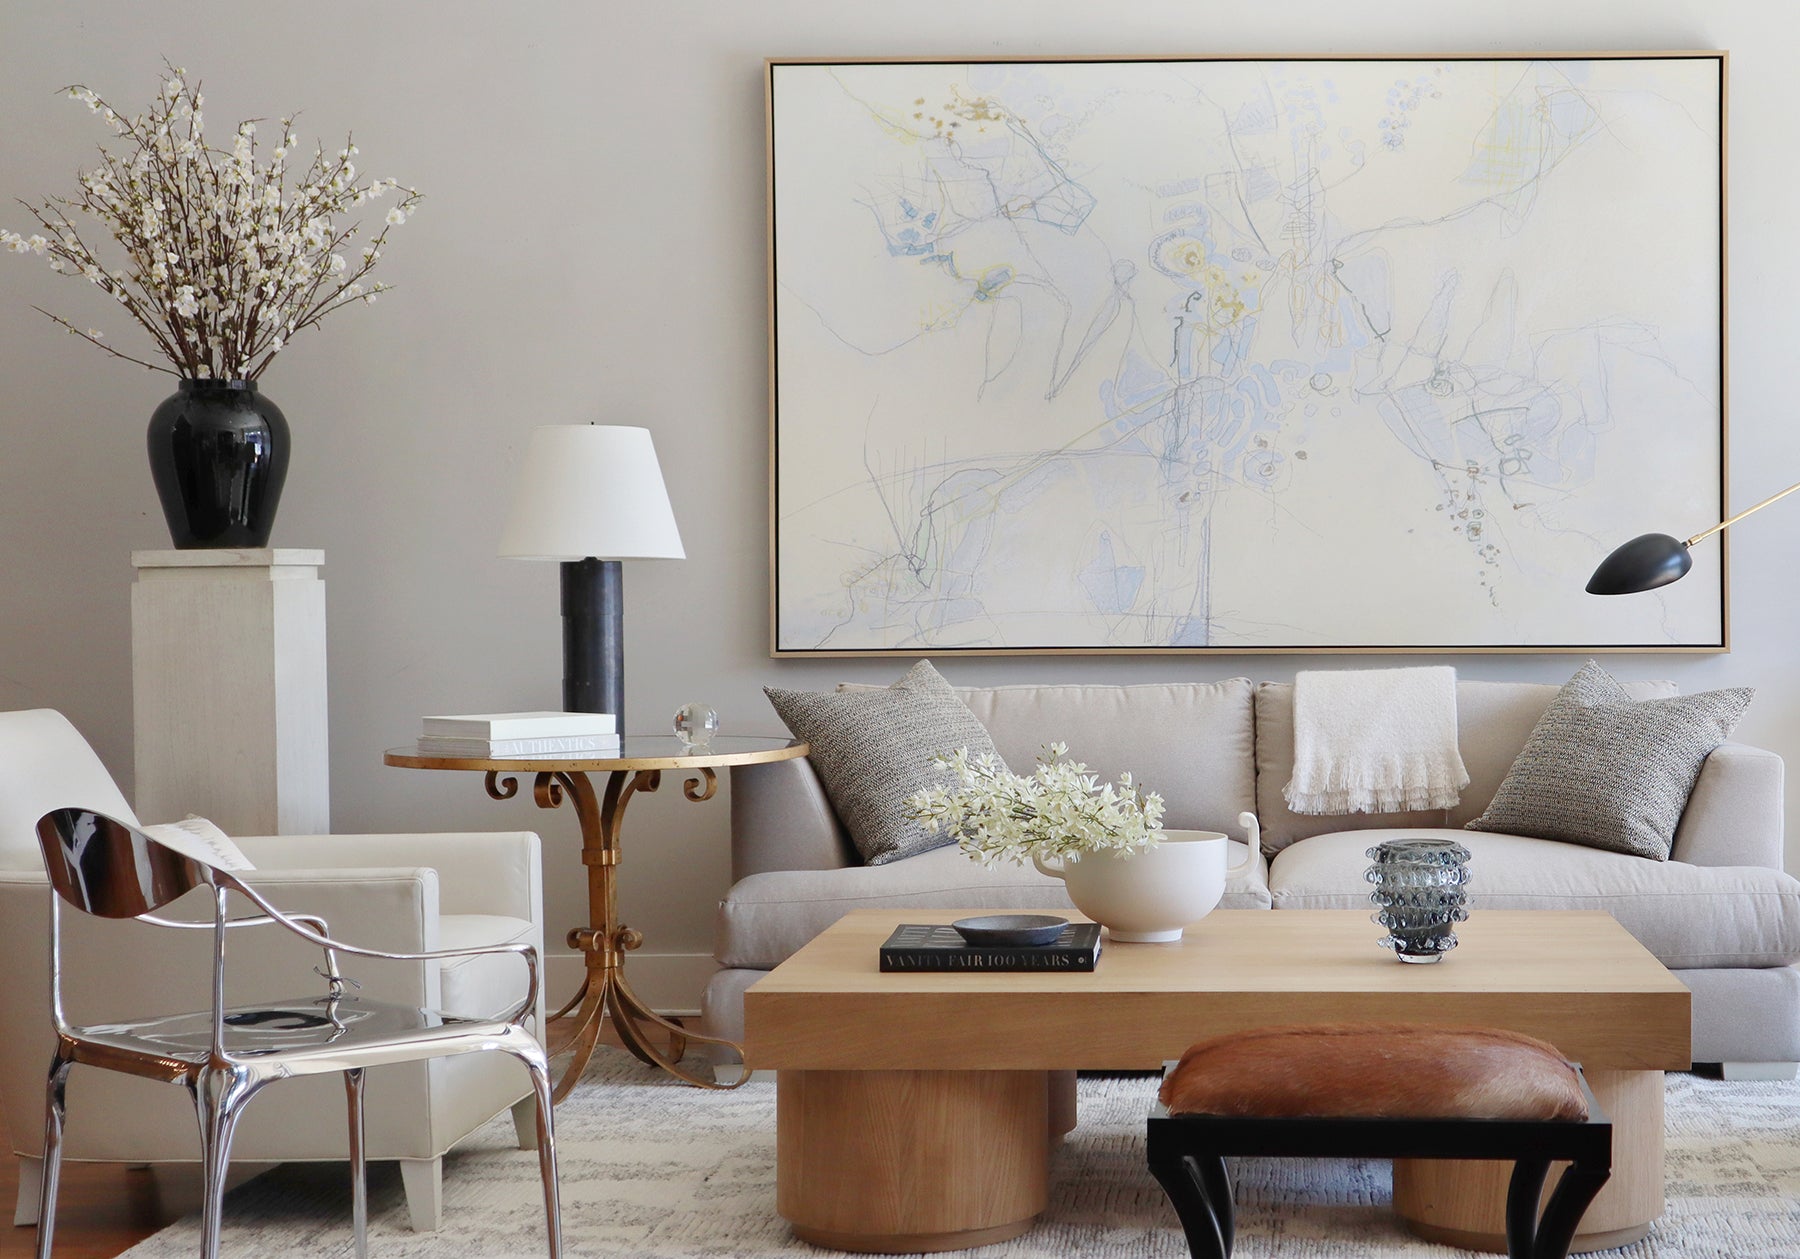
[[1152, 895]]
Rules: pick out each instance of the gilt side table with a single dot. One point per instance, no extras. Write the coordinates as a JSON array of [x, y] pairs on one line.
[[637, 767]]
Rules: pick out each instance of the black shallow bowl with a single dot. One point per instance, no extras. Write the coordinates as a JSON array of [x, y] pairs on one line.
[[1010, 930]]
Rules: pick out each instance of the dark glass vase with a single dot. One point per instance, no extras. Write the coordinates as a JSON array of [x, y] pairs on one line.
[[218, 455]]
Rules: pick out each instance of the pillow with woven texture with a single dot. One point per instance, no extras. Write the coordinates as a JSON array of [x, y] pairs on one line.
[[1608, 771], [873, 749]]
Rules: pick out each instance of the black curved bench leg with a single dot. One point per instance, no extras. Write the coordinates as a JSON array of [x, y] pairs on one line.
[[1185, 1177], [1523, 1192], [1569, 1201], [1216, 1181]]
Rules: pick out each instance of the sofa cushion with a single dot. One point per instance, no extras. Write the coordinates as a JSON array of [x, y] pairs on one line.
[[1493, 720], [766, 917], [1190, 742], [873, 750], [1608, 771], [1688, 916]]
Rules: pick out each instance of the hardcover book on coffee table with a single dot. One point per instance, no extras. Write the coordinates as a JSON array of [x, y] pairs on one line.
[[925, 946]]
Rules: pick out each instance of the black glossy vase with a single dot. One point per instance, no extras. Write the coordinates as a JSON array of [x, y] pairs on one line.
[[219, 455]]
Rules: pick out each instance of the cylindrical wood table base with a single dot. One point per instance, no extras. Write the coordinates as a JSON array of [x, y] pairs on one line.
[[1464, 1203], [911, 1161]]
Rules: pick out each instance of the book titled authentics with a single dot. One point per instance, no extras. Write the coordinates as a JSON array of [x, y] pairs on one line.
[[922, 947]]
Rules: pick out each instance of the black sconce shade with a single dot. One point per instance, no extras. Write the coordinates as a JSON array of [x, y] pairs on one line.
[[1644, 563]]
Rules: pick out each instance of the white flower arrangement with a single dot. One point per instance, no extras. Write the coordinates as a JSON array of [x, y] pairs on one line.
[[1061, 810], [224, 261]]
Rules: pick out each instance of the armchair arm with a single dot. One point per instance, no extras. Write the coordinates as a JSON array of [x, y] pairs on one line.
[[781, 819], [483, 872], [1734, 814]]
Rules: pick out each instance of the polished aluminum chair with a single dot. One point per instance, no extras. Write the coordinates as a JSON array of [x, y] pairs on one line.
[[226, 1055]]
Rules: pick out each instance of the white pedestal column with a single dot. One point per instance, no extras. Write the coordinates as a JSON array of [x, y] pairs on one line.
[[228, 687]]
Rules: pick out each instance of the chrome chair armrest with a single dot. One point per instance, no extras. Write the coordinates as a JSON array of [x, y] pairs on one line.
[[256, 920], [263, 920], [293, 922]]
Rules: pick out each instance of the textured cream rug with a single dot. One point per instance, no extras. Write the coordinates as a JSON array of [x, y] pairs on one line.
[[654, 1169]]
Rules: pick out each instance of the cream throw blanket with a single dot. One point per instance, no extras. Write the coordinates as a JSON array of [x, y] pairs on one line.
[[1375, 741]]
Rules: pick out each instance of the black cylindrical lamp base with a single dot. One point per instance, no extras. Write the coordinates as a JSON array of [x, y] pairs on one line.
[[593, 610]]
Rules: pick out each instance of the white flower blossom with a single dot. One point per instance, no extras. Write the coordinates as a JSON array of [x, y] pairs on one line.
[[263, 257], [1060, 810]]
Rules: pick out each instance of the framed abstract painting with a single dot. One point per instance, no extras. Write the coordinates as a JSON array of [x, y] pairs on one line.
[[1242, 355]]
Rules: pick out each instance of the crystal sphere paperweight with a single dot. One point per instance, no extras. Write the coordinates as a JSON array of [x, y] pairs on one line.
[[1419, 895], [695, 725]]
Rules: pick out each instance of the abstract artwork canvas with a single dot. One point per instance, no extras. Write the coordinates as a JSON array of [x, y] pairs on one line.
[[1243, 355]]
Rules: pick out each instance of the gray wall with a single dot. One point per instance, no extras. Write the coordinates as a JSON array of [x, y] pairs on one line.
[[593, 249]]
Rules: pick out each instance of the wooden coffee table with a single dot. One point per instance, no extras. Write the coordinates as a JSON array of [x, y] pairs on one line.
[[913, 1109]]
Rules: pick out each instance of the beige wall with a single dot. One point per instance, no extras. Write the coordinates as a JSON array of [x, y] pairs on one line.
[[592, 249]]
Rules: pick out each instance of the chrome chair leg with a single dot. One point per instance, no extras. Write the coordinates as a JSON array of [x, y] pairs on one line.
[[359, 1177], [219, 1099], [541, 1087], [54, 1108]]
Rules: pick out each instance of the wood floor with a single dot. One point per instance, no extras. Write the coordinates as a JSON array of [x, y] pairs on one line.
[[104, 1209]]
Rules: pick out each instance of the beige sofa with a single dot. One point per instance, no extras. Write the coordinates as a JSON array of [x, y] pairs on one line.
[[1721, 913]]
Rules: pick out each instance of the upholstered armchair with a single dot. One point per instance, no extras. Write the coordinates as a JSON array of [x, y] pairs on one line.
[[395, 893]]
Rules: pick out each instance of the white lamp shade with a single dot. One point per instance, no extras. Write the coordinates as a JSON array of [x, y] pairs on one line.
[[591, 490]]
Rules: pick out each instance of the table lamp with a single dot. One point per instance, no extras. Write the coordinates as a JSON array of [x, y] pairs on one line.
[[591, 495], [1655, 559]]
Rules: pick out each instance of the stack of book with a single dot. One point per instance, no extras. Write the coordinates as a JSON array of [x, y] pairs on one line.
[[520, 734], [922, 946]]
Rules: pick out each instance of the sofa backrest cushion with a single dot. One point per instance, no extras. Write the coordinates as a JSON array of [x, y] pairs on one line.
[[1192, 742], [1493, 721]]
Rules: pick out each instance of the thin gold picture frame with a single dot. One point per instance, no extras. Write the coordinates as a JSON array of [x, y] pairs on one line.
[[1723, 645]]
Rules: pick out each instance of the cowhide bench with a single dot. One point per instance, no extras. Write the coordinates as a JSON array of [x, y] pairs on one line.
[[1394, 1091]]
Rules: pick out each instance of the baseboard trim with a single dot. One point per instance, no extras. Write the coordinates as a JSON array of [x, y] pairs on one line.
[[669, 983]]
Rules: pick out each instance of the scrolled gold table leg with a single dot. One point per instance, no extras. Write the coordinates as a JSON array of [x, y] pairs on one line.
[[605, 941]]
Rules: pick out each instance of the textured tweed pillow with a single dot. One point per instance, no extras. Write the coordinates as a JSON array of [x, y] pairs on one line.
[[873, 749], [1608, 771]]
